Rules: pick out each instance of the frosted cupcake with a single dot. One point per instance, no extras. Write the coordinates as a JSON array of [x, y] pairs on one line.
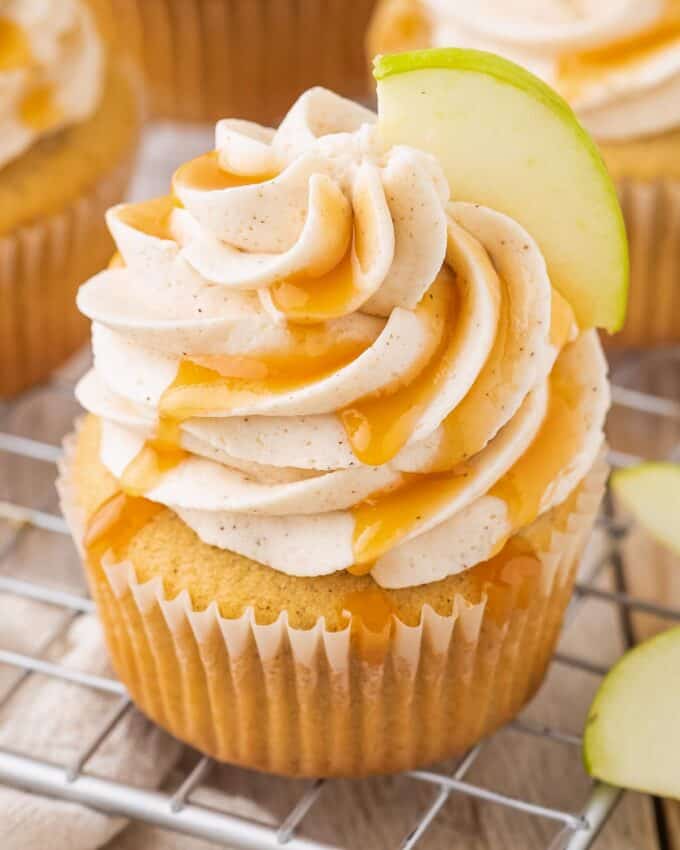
[[69, 120], [618, 65], [343, 449], [204, 59]]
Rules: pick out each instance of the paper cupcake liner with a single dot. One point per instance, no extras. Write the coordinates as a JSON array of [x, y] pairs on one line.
[[652, 214], [210, 59], [41, 267], [317, 702]]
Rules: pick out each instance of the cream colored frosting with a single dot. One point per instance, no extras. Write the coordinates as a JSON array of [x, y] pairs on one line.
[[51, 69], [445, 352], [624, 94]]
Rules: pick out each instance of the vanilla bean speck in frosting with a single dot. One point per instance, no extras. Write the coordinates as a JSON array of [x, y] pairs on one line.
[[51, 70], [320, 360], [616, 62]]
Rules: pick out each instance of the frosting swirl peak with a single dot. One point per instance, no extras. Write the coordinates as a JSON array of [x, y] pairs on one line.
[[321, 361]]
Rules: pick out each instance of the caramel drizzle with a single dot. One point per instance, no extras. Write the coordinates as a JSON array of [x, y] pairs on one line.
[[38, 109], [381, 424], [222, 383], [377, 427], [115, 523], [576, 70], [304, 298], [385, 519], [15, 47], [371, 606], [206, 174], [151, 217]]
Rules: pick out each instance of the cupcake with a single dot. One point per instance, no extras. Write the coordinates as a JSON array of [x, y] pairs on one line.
[[344, 441], [204, 59], [70, 120], [618, 65]]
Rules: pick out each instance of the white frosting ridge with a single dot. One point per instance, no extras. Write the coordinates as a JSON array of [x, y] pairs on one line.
[[52, 70], [422, 347]]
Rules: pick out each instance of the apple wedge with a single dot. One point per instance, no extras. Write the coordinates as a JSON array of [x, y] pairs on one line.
[[651, 492], [508, 141], [632, 736]]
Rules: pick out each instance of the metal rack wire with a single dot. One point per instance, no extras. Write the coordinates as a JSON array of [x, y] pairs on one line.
[[179, 811]]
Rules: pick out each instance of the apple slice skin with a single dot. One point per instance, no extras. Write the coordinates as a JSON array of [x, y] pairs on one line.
[[632, 735], [651, 491], [602, 304]]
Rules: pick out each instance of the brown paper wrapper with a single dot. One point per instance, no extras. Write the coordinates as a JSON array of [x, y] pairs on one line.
[[41, 267], [652, 214], [211, 59], [353, 702]]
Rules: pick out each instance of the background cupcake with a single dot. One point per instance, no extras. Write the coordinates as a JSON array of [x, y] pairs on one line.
[[69, 122], [618, 64], [206, 59]]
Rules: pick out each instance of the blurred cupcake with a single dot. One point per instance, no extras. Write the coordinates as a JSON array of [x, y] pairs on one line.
[[342, 455], [69, 121], [618, 65], [205, 59]]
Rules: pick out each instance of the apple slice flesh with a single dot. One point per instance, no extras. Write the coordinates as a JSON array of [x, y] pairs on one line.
[[651, 491], [508, 141], [632, 736]]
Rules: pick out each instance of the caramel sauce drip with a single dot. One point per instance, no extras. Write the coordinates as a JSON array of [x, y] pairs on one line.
[[150, 217], [169, 432], [15, 47], [115, 523], [317, 299], [308, 298], [205, 173], [466, 430], [525, 485], [373, 607], [39, 109], [222, 383], [384, 519], [508, 580], [576, 70], [361, 569], [146, 470], [379, 426]]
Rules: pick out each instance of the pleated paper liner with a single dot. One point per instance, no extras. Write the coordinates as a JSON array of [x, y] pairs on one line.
[[652, 214], [211, 59], [41, 267], [353, 702]]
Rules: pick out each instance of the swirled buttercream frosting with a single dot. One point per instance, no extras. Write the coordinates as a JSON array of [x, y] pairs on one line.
[[319, 359], [51, 69], [618, 62]]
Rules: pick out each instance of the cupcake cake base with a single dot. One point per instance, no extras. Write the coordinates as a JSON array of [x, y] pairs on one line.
[[331, 676]]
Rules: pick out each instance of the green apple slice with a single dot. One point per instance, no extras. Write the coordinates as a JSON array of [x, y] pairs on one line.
[[508, 141], [632, 736], [651, 492]]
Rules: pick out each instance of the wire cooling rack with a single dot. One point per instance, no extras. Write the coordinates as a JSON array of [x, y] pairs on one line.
[[178, 809]]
